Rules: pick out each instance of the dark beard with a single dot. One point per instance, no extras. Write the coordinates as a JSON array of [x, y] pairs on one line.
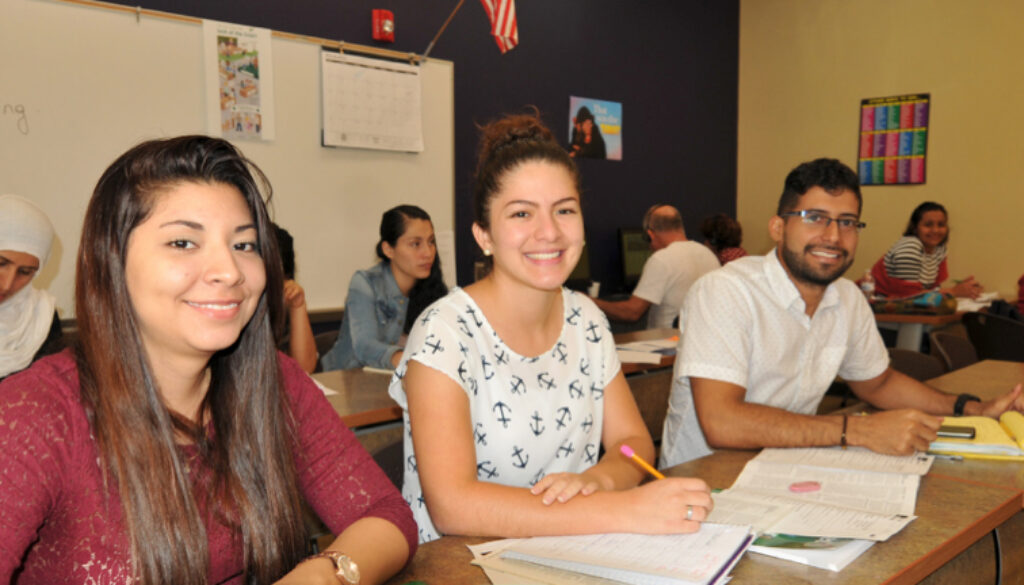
[[802, 272]]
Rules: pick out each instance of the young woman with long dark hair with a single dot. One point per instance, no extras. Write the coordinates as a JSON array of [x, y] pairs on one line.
[[175, 444], [384, 301]]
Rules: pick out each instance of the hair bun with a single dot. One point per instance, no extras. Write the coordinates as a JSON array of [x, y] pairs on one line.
[[511, 130]]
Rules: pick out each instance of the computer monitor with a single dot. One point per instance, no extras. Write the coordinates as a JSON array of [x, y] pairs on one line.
[[579, 280], [635, 251]]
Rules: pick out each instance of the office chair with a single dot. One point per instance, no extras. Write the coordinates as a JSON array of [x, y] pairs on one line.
[[995, 337], [956, 351], [915, 364]]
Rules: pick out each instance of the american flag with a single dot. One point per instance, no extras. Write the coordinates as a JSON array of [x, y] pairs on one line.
[[502, 14]]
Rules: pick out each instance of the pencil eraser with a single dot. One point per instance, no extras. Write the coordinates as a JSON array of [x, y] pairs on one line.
[[626, 450], [804, 486]]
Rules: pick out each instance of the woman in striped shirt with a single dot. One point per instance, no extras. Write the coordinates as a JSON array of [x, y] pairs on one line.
[[917, 261]]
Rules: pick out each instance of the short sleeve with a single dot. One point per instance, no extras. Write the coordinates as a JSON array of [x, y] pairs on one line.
[[866, 356], [714, 310], [653, 280]]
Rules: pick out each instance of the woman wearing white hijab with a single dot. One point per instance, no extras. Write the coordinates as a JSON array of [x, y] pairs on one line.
[[29, 326]]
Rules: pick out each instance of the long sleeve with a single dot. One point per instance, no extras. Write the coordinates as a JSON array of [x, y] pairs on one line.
[[338, 477]]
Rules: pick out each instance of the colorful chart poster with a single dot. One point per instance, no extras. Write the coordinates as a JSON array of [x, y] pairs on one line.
[[893, 140], [239, 81], [595, 128]]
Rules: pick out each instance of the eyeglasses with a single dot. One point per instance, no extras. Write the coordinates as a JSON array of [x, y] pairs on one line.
[[822, 221]]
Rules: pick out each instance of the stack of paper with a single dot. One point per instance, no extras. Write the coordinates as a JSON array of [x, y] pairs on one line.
[[992, 440], [702, 558], [646, 352], [859, 497]]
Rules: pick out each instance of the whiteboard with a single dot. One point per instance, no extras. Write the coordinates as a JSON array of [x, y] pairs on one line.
[[80, 85]]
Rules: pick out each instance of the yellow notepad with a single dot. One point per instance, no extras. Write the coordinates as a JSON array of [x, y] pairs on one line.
[[1002, 439]]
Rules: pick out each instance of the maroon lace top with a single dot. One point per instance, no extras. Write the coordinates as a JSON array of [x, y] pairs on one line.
[[58, 528]]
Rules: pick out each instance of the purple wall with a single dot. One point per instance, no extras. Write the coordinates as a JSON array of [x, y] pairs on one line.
[[672, 63]]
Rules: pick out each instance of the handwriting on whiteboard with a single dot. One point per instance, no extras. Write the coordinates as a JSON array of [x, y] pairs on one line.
[[14, 113]]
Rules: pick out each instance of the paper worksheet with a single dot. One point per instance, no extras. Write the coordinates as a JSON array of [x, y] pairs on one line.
[[853, 458]]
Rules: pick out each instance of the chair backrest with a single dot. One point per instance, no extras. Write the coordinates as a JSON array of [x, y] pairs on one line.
[[995, 337], [956, 351], [324, 342], [917, 365]]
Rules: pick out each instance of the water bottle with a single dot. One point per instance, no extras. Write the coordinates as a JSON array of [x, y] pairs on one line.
[[867, 285]]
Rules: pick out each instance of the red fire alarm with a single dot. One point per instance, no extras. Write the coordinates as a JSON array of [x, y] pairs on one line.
[[383, 25]]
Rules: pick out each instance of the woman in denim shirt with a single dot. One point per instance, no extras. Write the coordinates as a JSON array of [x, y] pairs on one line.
[[384, 301]]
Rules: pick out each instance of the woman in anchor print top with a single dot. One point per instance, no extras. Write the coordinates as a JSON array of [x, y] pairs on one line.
[[511, 385]]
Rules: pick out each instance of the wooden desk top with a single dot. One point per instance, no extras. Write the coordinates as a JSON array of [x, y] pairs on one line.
[[952, 515], [924, 319], [362, 397], [647, 335]]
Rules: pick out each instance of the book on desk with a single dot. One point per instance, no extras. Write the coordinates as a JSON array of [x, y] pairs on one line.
[[1002, 439]]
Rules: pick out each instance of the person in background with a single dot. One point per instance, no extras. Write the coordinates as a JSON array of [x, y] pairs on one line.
[[511, 386], [1020, 294], [670, 271], [298, 341], [29, 324], [916, 263], [175, 444], [384, 301], [723, 235], [763, 338]]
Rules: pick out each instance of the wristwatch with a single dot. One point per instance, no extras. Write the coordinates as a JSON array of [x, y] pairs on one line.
[[961, 401], [344, 568]]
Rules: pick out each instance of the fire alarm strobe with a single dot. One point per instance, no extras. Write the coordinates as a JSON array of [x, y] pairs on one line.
[[383, 25]]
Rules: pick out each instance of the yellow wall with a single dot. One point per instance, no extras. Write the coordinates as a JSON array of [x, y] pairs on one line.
[[806, 64]]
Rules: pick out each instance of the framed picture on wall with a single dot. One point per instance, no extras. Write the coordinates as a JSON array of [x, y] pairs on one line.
[[894, 140]]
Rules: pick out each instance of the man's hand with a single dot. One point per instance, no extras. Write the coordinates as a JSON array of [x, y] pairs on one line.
[[1012, 400], [893, 432]]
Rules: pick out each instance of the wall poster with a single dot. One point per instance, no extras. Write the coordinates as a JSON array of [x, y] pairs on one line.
[[893, 139], [239, 81], [595, 128]]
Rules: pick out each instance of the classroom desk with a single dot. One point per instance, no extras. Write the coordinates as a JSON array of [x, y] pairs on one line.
[[650, 383], [949, 542], [647, 335], [362, 397], [910, 328]]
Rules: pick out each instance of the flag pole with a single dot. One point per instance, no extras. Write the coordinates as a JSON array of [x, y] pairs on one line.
[[443, 26]]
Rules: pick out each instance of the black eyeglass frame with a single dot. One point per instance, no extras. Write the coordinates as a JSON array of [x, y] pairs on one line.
[[844, 223]]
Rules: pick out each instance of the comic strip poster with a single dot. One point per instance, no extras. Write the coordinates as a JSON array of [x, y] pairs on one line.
[[595, 128], [239, 81]]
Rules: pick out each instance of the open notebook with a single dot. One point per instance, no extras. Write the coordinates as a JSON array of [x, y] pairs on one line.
[[702, 558], [1002, 439]]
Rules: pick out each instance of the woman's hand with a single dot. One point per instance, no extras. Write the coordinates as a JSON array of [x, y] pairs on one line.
[[967, 288], [562, 487], [670, 506], [294, 296]]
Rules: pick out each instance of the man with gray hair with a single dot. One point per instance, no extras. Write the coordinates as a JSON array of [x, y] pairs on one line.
[[675, 265]]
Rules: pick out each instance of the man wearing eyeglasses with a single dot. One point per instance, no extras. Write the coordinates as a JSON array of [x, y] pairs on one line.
[[764, 337], [667, 275]]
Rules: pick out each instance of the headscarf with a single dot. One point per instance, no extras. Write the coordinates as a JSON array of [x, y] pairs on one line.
[[25, 318]]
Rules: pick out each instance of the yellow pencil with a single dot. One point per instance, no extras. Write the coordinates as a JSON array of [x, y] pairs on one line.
[[628, 452]]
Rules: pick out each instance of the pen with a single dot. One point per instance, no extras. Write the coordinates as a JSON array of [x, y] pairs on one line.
[[628, 452], [948, 457]]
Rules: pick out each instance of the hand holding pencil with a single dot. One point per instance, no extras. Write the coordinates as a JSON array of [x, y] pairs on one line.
[[692, 493]]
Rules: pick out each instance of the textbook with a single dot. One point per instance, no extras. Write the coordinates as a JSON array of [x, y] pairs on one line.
[[832, 554], [702, 558], [1002, 439]]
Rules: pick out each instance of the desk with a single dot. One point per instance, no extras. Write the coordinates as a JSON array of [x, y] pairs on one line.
[[650, 384], [910, 328], [667, 361], [949, 535], [362, 397]]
